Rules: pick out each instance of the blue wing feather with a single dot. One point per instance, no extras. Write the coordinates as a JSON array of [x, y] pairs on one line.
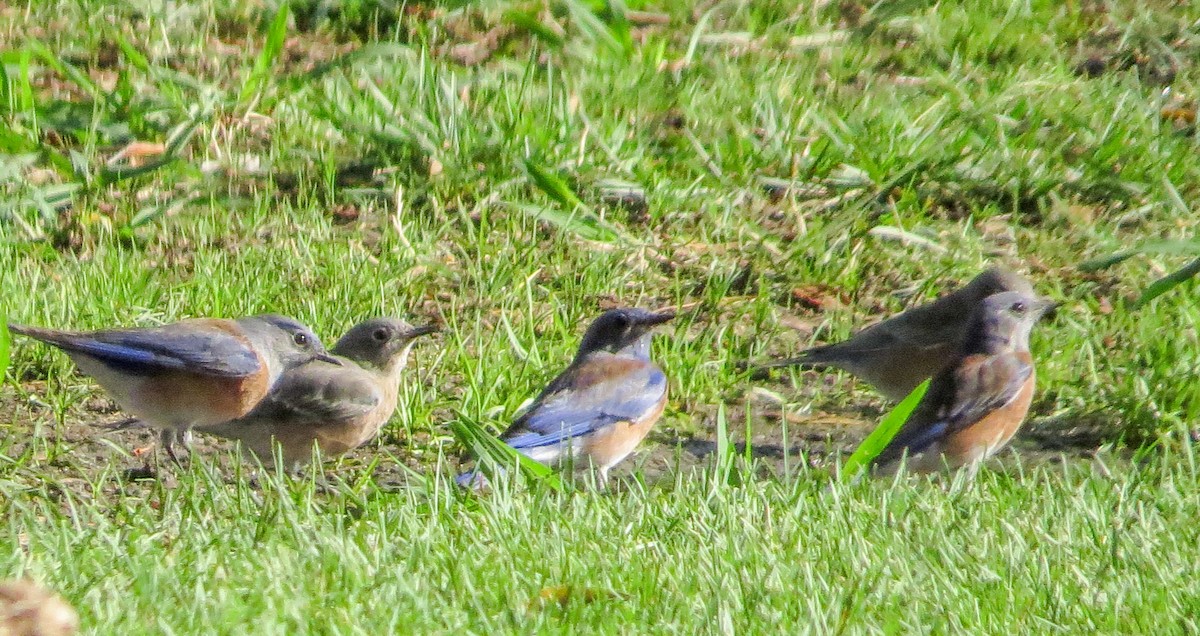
[[958, 398], [574, 411], [195, 349]]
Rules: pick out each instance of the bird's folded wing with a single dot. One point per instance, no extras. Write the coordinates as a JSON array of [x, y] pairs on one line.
[[587, 401], [903, 332], [958, 399], [984, 384], [204, 350], [318, 392]]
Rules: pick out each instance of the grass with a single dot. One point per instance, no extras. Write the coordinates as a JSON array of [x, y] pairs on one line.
[[781, 174]]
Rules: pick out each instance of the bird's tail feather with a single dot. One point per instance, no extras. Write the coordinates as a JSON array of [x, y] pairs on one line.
[[814, 358]]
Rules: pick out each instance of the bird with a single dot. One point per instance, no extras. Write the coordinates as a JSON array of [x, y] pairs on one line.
[[897, 354], [975, 404], [603, 405], [337, 406], [27, 609], [190, 373]]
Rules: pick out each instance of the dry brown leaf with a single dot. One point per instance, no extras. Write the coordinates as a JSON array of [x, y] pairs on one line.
[[136, 153]]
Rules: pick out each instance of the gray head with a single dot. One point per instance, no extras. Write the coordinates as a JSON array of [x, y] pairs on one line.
[[381, 343], [995, 280], [291, 341], [1002, 322], [618, 329]]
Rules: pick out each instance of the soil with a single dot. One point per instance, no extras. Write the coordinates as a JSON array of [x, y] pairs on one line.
[[90, 451]]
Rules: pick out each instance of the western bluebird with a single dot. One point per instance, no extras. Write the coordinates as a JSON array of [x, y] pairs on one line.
[[190, 373], [898, 354], [338, 407], [975, 404], [603, 405]]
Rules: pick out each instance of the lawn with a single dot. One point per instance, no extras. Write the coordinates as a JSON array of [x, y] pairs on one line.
[[781, 174]]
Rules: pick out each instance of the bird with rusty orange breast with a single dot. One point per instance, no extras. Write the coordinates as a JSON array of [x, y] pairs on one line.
[[334, 407], [190, 373], [603, 405], [899, 353], [975, 404]]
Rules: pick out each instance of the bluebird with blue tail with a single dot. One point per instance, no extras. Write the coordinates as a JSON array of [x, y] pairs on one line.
[[190, 373], [603, 405]]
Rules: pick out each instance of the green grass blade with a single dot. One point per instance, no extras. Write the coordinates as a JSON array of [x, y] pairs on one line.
[[529, 22], [176, 141], [726, 451], [577, 218], [493, 454], [132, 55], [874, 444], [5, 344], [1166, 283], [553, 185], [1174, 198], [78, 77], [618, 25], [596, 29], [1165, 248], [1104, 262], [257, 79], [6, 100], [25, 84], [579, 223]]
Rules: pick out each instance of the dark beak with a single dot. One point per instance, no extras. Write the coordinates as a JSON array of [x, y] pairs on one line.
[[422, 331], [1050, 309], [328, 357], [660, 317]]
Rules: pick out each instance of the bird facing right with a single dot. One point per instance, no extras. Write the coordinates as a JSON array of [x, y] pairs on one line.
[[899, 353], [602, 405], [335, 406], [975, 405], [190, 373]]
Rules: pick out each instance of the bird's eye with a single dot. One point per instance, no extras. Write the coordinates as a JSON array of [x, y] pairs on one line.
[[1018, 307], [380, 335], [301, 339]]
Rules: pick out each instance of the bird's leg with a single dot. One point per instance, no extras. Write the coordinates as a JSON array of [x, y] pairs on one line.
[[603, 473], [972, 470], [167, 438]]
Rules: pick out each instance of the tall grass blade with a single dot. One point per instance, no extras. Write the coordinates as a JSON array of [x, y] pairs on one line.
[[1164, 248], [874, 444], [553, 185], [494, 455], [529, 22], [78, 77], [1166, 283], [725, 447], [176, 141], [579, 223], [132, 55], [5, 344], [273, 45], [578, 218]]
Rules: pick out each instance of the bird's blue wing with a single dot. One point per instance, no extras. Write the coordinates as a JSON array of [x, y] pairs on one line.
[[193, 346], [599, 392], [958, 398]]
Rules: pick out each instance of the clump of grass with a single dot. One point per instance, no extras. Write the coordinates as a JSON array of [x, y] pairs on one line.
[[783, 176]]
